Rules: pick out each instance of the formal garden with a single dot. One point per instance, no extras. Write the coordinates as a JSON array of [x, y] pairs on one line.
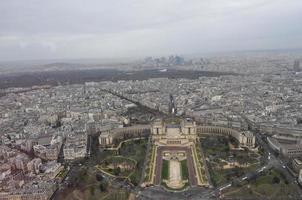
[[165, 175], [225, 160], [126, 162]]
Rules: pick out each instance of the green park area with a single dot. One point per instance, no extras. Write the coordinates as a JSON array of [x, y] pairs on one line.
[[135, 150], [87, 183], [224, 163], [271, 185], [127, 162]]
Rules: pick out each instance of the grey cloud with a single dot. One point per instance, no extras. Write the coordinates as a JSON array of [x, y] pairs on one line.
[[99, 28]]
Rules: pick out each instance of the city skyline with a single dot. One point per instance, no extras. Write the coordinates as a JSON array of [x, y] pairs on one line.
[[140, 100]]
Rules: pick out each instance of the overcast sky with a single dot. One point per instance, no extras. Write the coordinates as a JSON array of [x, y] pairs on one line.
[[49, 29]]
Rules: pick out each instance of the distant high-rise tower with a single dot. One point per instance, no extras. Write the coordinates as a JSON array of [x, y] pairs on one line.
[[297, 66]]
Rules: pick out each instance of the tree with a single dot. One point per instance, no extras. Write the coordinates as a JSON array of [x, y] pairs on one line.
[[236, 183], [91, 190], [276, 180], [117, 171], [103, 186], [99, 177]]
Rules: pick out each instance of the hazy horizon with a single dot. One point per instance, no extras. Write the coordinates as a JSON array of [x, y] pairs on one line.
[[76, 29], [108, 60]]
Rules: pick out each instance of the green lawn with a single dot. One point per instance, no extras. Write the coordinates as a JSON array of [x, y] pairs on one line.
[[184, 170], [265, 187], [217, 177], [268, 179], [165, 170]]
